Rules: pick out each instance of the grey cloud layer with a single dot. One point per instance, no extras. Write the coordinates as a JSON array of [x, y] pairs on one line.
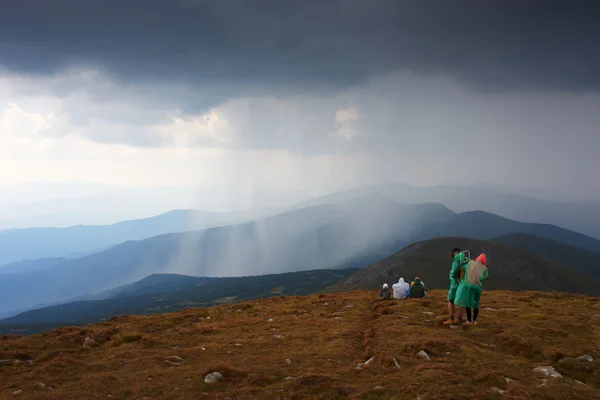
[[280, 45], [512, 84]]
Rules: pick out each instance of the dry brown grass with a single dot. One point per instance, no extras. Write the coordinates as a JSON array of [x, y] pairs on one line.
[[325, 339]]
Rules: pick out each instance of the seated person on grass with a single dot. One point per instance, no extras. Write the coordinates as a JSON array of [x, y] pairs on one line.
[[417, 289], [386, 293]]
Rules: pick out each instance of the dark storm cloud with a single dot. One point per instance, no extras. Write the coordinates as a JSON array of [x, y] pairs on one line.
[[281, 45]]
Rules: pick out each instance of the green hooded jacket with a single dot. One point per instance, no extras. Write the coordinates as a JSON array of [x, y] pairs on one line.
[[459, 260]]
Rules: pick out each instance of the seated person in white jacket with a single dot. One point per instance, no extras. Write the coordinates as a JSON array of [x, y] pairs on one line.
[[400, 289]]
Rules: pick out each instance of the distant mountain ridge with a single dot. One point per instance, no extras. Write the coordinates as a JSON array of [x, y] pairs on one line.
[[77, 241], [28, 266], [33, 243], [328, 236], [578, 216], [355, 233], [483, 225]]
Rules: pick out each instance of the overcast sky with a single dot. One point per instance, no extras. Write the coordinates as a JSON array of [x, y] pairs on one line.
[[253, 98]]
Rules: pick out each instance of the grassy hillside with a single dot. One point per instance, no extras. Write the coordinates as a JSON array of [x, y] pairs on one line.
[[509, 268], [153, 284], [167, 293], [581, 260], [310, 347]]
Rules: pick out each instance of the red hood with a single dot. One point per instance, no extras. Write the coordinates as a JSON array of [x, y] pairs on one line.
[[482, 259]]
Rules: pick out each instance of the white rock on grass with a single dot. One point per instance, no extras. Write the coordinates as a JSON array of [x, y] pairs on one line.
[[396, 363], [288, 361], [213, 377], [424, 355], [575, 359], [497, 390], [548, 371], [278, 336]]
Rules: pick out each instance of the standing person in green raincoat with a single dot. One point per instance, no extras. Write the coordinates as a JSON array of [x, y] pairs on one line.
[[459, 260], [468, 293]]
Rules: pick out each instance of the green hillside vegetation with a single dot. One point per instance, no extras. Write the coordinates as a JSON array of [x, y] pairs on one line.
[[167, 293], [581, 260], [156, 283], [509, 268]]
